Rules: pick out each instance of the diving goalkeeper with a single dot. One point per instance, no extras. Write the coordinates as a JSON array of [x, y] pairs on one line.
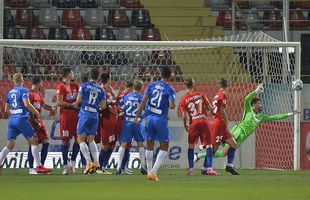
[[252, 118]]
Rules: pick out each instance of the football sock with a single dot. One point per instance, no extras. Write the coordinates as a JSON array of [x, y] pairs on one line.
[[231, 156], [142, 156], [107, 158], [159, 160], [209, 158], [125, 158], [65, 150], [83, 161], [75, 151], [30, 158], [190, 156], [93, 151], [102, 156], [85, 151], [35, 154], [4, 153], [44, 152], [120, 156], [149, 160]]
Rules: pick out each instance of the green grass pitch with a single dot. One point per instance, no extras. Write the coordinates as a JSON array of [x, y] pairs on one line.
[[173, 184]]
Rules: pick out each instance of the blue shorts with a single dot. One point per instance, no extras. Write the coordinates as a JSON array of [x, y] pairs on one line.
[[19, 125], [131, 130], [157, 129], [87, 125]]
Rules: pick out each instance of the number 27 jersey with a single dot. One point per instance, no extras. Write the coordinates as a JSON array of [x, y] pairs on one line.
[[160, 93]]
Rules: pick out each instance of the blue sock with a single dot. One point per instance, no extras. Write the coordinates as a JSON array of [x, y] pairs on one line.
[[125, 159], [107, 158], [75, 151], [231, 156], [44, 152], [83, 160], [30, 158], [209, 158], [190, 156], [65, 151], [102, 156]]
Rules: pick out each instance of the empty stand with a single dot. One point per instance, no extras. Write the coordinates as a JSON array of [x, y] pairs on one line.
[[87, 3], [40, 3], [109, 3], [72, 18], [131, 3], [8, 19], [302, 4], [12, 33], [95, 18], [34, 33], [81, 33], [141, 18], [104, 34], [25, 17], [297, 20], [17, 3], [64, 3], [127, 34], [150, 34], [272, 18], [49, 18], [118, 18], [58, 34], [225, 18], [218, 4]]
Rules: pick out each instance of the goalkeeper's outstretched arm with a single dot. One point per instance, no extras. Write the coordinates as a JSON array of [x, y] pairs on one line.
[[267, 118]]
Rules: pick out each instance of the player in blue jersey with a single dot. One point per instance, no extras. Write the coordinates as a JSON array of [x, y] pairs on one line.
[[130, 130], [18, 105], [159, 97], [91, 96]]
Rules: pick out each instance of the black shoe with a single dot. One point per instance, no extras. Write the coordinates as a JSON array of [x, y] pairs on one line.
[[232, 170], [143, 171], [203, 172], [118, 172]]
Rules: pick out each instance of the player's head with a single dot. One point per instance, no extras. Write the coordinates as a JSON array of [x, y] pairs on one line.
[[18, 78], [129, 84], [67, 73], [85, 77], [189, 83], [257, 105], [36, 81], [166, 73], [94, 74], [104, 78], [223, 83], [137, 85]]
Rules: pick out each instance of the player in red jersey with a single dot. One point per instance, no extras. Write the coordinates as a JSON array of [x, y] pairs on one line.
[[38, 102], [66, 96], [195, 104], [106, 123]]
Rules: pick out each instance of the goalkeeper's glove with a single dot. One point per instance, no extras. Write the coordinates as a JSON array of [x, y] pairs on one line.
[[259, 89]]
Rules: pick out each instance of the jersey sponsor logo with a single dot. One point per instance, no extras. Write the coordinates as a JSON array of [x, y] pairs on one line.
[[71, 96], [199, 116]]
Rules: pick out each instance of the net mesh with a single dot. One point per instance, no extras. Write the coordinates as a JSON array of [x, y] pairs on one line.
[[244, 67]]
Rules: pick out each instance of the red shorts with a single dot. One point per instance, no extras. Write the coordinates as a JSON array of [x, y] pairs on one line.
[[68, 128], [199, 130], [40, 131], [118, 127], [219, 132], [106, 130]]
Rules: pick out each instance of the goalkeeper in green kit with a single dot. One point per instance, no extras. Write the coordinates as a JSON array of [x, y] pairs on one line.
[[252, 118]]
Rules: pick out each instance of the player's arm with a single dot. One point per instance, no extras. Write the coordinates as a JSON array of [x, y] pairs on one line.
[[224, 115], [250, 96], [172, 99], [30, 107], [184, 117], [7, 108], [103, 104], [267, 118], [140, 108], [61, 103]]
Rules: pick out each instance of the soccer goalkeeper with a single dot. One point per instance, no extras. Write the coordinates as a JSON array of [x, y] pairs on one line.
[[252, 118]]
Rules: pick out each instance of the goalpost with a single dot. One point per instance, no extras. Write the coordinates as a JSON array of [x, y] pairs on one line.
[[244, 60]]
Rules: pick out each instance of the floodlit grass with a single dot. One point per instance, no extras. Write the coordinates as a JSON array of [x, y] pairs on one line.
[[173, 184]]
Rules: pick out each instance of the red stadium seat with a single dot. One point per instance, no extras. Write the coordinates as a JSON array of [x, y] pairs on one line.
[[302, 4], [72, 18], [150, 34], [25, 17], [81, 33], [35, 33], [118, 18], [297, 20], [17, 3], [6, 58], [53, 72], [272, 18], [162, 58], [225, 18], [131, 3]]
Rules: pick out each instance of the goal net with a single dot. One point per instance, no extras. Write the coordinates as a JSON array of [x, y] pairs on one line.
[[244, 60]]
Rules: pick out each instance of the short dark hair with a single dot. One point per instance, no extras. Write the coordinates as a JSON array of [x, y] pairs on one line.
[[129, 84], [66, 71], [94, 74], [223, 83], [166, 72], [137, 84], [35, 80], [85, 77], [104, 77], [254, 100], [189, 82]]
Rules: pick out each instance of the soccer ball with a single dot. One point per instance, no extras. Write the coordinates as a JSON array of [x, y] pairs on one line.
[[297, 84]]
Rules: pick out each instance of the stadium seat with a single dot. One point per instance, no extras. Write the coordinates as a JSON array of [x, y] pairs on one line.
[[93, 58], [40, 3], [87, 3], [25, 17], [109, 3], [262, 4], [104, 34], [95, 18], [150, 34], [177, 74], [34, 33], [8, 19], [297, 19], [272, 18], [72, 18], [8, 70], [225, 18], [53, 72], [131, 4], [81, 33], [118, 18], [64, 3], [6, 58], [141, 18], [45, 57], [253, 19], [127, 34], [244, 4], [58, 34], [17, 3], [302, 4], [162, 58], [217, 4], [49, 18], [12, 33]]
